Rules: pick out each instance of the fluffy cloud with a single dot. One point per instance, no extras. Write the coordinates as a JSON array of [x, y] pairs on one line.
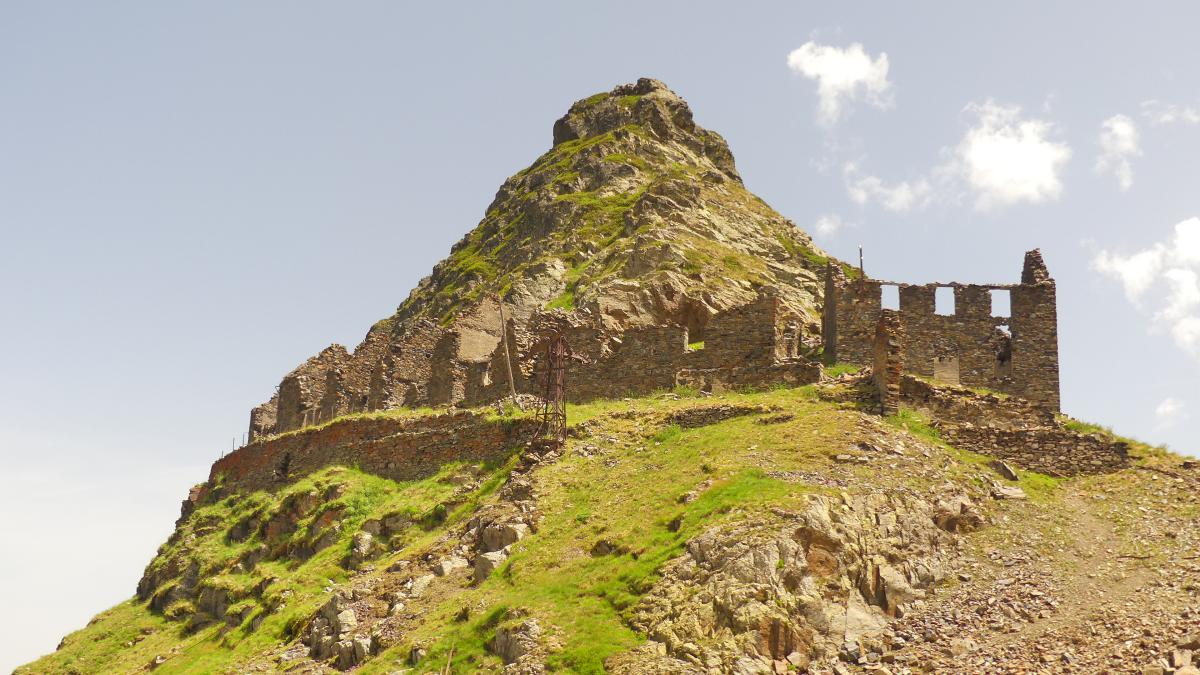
[[1119, 142], [1006, 159], [1136, 272], [1168, 410], [900, 196], [1002, 159], [842, 75], [1169, 113], [1164, 280], [829, 225]]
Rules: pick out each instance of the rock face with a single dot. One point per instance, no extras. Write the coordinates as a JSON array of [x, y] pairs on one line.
[[636, 217], [823, 581]]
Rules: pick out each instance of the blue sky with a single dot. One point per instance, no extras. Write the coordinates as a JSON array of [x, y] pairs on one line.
[[194, 197]]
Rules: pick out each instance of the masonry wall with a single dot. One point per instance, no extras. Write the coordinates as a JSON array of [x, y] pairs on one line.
[[1050, 450], [855, 305], [749, 346], [399, 449], [401, 376], [962, 406], [1017, 354], [1035, 334], [301, 390], [888, 365]]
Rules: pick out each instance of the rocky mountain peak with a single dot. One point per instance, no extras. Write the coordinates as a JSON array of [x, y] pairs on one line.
[[649, 104], [635, 213]]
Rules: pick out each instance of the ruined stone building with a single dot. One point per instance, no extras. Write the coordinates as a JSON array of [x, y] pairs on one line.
[[429, 364], [955, 333], [465, 365]]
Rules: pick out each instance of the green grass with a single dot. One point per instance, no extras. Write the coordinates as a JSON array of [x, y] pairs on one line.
[[632, 160], [625, 491], [216, 648], [633, 501], [566, 300], [629, 101], [839, 369]]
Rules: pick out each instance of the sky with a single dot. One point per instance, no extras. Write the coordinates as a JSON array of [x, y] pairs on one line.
[[197, 196]]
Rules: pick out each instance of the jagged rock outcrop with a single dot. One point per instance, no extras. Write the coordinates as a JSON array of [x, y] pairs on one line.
[[822, 582]]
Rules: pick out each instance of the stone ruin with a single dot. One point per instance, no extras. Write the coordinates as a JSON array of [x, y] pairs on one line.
[[916, 354], [970, 345], [756, 344], [424, 363]]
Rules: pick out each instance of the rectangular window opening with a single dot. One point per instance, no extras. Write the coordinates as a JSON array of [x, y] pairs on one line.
[[1001, 303], [943, 301], [890, 296]]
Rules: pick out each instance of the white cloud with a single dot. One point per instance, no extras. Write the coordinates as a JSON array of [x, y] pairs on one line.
[[1136, 272], [1002, 159], [1168, 410], [1006, 159], [1165, 276], [842, 75], [901, 196], [1119, 141], [1169, 113], [830, 224]]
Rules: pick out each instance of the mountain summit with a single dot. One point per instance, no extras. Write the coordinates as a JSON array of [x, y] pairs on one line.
[[635, 212]]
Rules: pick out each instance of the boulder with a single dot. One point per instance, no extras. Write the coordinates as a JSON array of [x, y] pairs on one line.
[[486, 563], [420, 585], [496, 536], [450, 565], [513, 642]]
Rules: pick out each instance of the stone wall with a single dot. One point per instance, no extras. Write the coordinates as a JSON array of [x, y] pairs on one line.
[[963, 406], [1050, 450], [888, 363], [854, 306], [749, 346], [395, 448], [1017, 354], [301, 391]]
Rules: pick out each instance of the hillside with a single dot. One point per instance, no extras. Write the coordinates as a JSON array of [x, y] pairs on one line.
[[678, 533], [728, 499]]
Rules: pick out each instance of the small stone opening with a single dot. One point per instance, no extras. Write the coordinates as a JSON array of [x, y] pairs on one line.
[[889, 297], [943, 301], [1001, 303]]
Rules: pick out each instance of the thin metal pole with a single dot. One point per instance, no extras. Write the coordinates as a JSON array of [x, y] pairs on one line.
[[860, 261]]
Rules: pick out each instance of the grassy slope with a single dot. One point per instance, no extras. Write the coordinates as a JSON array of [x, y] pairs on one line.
[[624, 488]]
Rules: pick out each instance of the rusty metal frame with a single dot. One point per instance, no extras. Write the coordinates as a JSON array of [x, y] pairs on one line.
[[552, 413]]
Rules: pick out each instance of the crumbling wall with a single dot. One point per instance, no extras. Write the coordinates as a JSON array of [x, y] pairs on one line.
[[347, 387], [262, 419], [1017, 354], [888, 365], [301, 391], [641, 360], [752, 345], [855, 304], [396, 448], [960, 348], [747, 334], [963, 406], [401, 376], [1035, 334], [1050, 449]]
